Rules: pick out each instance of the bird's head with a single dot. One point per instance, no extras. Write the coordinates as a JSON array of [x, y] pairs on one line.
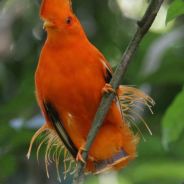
[[59, 17]]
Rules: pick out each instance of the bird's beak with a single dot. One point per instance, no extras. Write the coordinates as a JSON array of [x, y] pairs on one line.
[[47, 24]]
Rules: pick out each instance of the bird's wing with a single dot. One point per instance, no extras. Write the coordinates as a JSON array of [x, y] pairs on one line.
[[107, 68], [56, 121]]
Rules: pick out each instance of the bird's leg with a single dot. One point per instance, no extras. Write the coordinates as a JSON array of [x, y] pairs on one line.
[[108, 89], [79, 154]]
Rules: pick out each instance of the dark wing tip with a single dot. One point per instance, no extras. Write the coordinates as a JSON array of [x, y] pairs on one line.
[[57, 123], [107, 164], [108, 76]]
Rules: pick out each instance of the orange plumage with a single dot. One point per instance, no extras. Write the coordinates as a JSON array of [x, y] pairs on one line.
[[69, 80]]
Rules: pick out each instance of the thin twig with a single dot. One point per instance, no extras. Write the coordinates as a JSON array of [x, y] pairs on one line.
[[143, 27]]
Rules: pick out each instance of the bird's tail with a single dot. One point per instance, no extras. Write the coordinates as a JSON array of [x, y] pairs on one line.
[[116, 162]]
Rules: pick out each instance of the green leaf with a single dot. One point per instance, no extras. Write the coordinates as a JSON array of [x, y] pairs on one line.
[[175, 9], [173, 120]]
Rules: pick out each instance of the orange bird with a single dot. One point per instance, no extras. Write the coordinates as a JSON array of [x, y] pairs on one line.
[[70, 79]]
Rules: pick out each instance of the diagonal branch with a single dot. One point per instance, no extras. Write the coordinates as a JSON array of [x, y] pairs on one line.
[[143, 27]]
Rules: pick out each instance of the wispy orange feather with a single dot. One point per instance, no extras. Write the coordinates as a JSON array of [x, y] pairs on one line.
[[70, 75]]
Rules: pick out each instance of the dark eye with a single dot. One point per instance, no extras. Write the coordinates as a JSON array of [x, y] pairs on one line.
[[69, 20]]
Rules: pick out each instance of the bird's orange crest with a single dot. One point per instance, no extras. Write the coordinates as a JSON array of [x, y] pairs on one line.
[[55, 8]]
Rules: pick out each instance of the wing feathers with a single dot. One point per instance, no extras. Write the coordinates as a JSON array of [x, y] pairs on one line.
[[56, 121]]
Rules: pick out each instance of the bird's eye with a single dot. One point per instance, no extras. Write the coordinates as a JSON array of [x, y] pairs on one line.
[[69, 20]]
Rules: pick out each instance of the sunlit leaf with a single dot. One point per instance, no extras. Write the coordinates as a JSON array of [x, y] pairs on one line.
[[175, 9]]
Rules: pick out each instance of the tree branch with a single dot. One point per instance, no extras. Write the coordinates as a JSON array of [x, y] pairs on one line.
[[143, 27]]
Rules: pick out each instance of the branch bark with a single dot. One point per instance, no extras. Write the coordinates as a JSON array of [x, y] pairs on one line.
[[142, 29]]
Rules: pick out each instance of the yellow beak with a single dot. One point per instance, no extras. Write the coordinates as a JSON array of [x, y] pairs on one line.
[[47, 24]]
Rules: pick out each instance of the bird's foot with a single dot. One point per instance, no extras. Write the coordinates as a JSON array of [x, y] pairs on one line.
[[79, 155], [108, 89]]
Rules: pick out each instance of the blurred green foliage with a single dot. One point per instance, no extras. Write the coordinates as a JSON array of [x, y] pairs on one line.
[[175, 9], [158, 68]]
